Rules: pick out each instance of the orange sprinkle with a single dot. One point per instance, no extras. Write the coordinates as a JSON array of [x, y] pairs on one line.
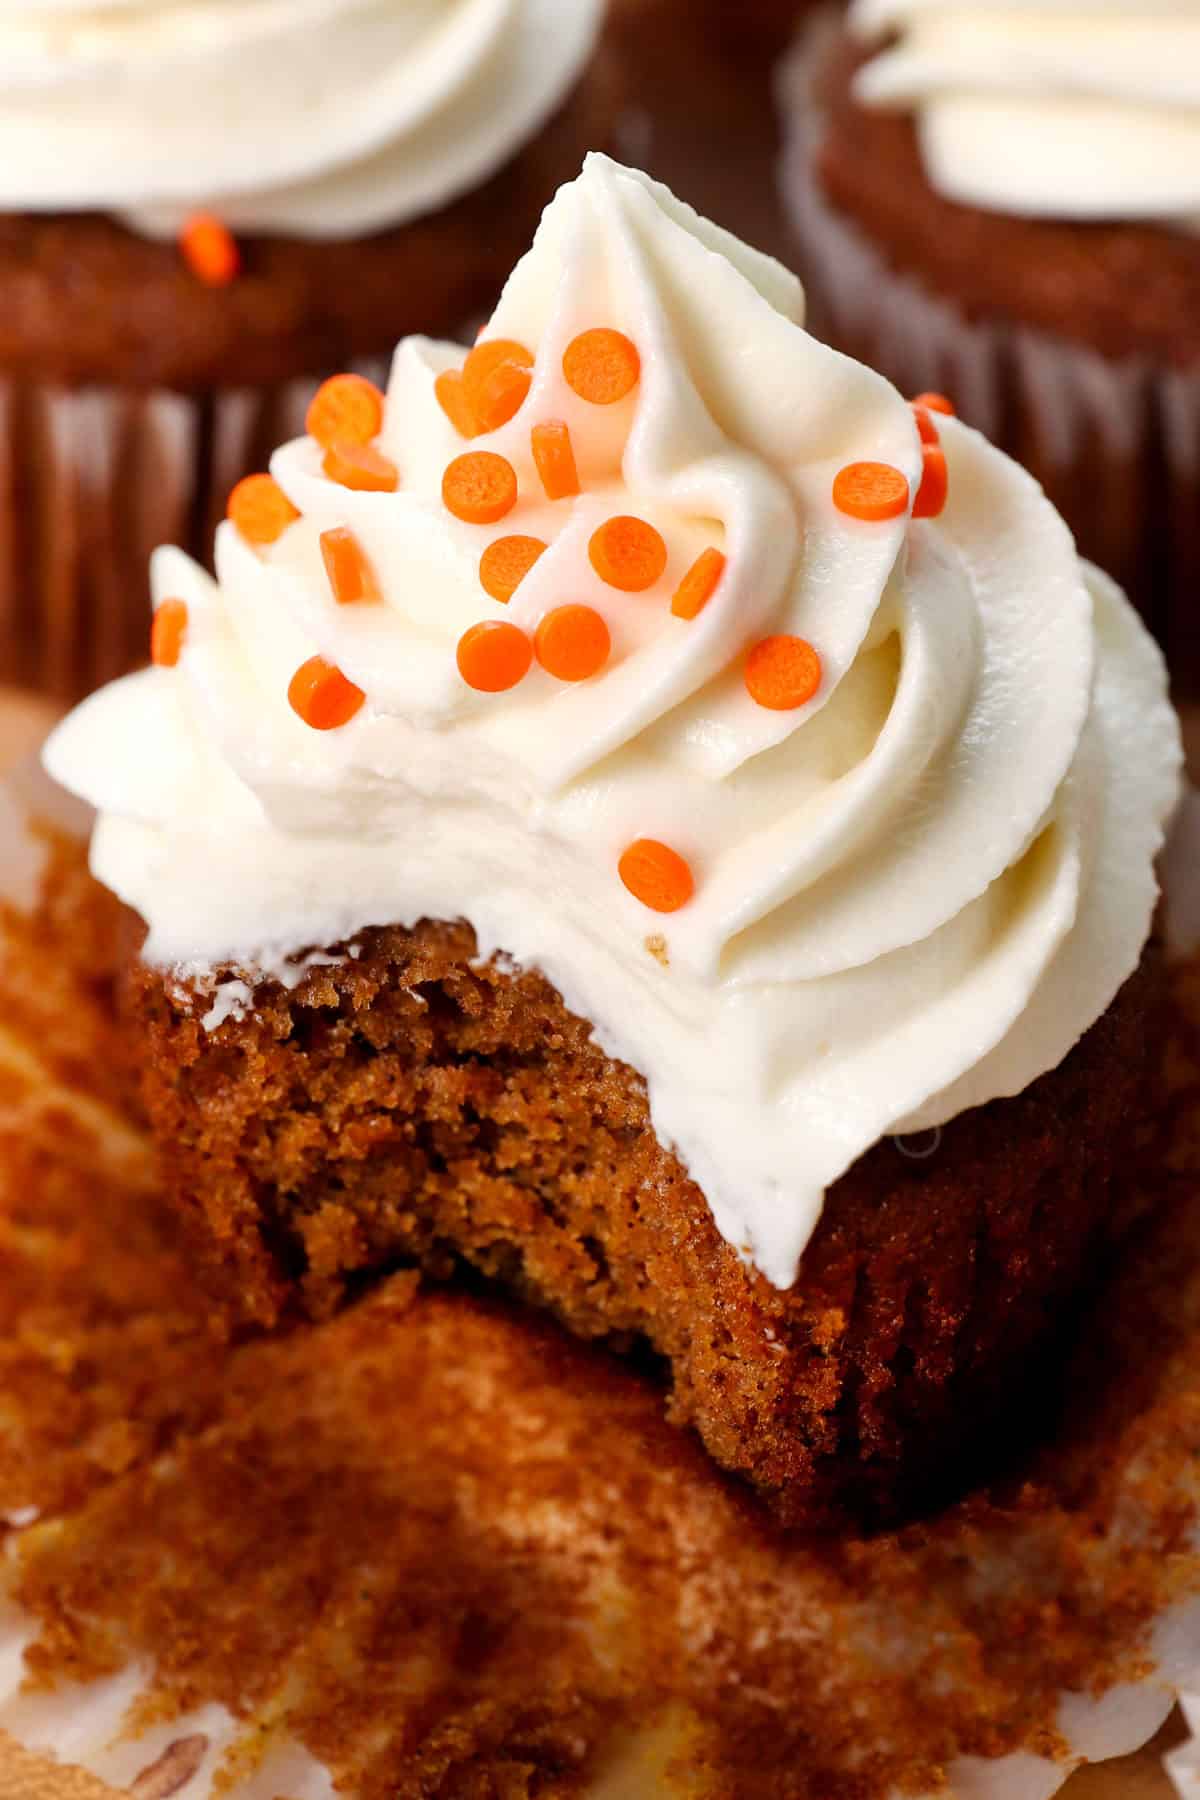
[[870, 490], [361, 466], [167, 632], [698, 585], [346, 409], [602, 366], [348, 567], [572, 642], [937, 403], [783, 673], [505, 564], [260, 509], [554, 456], [488, 356], [210, 250], [926, 429], [935, 485], [502, 395], [628, 554], [452, 398], [494, 656], [480, 488], [322, 696], [657, 875]]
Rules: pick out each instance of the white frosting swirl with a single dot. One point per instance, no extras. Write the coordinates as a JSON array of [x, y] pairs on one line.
[[1069, 109], [914, 894], [324, 118]]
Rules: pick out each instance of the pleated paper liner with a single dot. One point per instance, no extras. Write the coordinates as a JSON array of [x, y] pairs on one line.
[[435, 1548], [1115, 444]]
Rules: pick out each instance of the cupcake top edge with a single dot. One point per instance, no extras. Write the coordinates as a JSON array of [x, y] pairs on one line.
[[315, 118], [772, 716], [1064, 109]]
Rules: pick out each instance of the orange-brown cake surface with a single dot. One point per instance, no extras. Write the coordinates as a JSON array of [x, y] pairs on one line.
[[412, 1104]]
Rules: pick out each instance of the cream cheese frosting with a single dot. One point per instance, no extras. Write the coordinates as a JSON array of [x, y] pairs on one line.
[[913, 893], [1069, 109], [324, 118]]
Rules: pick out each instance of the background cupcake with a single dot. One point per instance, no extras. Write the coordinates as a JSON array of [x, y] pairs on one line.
[[211, 206], [1004, 204]]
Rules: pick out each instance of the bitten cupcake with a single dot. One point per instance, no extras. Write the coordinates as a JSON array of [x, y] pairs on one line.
[[211, 206], [1003, 203], [610, 790]]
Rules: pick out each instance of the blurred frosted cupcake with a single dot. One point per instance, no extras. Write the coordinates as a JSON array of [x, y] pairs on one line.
[[1002, 203], [211, 205]]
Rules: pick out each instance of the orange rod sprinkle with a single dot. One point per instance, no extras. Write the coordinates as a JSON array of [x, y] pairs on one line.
[[602, 366], [505, 564], [452, 398], [554, 457], [872, 491], [935, 485], [346, 409], [210, 250], [484, 361], [573, 642], [657, 875], [168, 629], [348, 567], [480, 488], [629, 554], [698, 585], [321, 695], [926, 429], [260, 509], [937, 403], [783, 673], [362, 467], [494, 656]]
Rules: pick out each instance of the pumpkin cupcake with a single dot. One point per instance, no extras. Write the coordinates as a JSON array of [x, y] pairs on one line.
[[645, 812], [1002, 204], [208, 209]]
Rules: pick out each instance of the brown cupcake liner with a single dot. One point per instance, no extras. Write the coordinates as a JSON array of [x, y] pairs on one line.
[[1115, 444], [92, 480]]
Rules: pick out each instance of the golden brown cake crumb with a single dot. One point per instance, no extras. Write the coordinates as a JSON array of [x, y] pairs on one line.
[[411, 1105]]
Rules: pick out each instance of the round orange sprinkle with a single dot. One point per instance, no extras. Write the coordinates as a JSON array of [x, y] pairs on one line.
[[452, 398], [698, 585], [554, 457], [628, 554], [602, 366], [346, 409], [260, 509], [935, 485], [484, 360], [783, 673], [572, 642], [210, 250], [502, 396], [168, 629], [480, 488], [870, 490], [926, 429], [937, 403], [494, 656], [322, 696], [657, 875], [505, 564], [361, 466], [348, 567]]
